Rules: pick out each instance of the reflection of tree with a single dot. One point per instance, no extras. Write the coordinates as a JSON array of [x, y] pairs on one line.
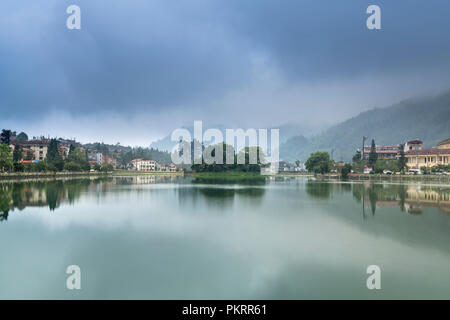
[[5, 201], [19, 195], [373, 197], [320, 190], [402, 194], [53, 194]]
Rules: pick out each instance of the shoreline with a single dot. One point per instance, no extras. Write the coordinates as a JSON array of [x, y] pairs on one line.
[[36, 175]]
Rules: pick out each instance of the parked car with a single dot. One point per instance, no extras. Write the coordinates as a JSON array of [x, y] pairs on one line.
[[414, 171], [388, 172]]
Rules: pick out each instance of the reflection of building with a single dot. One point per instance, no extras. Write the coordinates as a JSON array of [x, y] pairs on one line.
[[429, 157], [415, 198], [144, 165], [418, 198]]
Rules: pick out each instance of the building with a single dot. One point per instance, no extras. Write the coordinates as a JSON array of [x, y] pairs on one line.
[[99, 157], [143, 165], [36, 148], [412, 145], [429, 157], [444, 144], [110, 160], [387, 152]]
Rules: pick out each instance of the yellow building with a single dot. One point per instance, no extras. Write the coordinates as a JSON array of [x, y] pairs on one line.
[[429, 157], [37, 148], [444, 144]]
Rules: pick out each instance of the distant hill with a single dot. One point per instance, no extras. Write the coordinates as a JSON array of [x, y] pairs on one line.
[[427, 119], [287, 131]]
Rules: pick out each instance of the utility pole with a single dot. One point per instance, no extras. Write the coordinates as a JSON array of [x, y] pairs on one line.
[[362, 151]]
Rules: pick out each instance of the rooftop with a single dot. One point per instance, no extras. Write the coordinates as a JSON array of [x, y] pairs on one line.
[[428, 151]]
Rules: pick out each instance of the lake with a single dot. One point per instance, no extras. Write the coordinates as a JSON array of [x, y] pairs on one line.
[[147, 237]]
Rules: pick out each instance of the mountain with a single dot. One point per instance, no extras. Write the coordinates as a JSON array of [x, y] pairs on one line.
[[425, 118], [286, 132]]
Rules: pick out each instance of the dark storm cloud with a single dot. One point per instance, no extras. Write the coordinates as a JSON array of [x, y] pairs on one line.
[[260, 58], [323, 39], [127, 55]]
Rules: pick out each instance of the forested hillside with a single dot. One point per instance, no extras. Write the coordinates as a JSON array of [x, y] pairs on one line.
[[427, 119]]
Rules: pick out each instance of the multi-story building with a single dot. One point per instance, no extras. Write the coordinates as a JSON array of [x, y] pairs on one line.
[[144, 165], [109, 160], [413, 145], [388, 152], [99, 157], [444, 144], [37, 148], [429, 157]]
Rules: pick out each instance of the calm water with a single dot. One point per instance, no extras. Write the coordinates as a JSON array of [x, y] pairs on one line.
[[178, 238]]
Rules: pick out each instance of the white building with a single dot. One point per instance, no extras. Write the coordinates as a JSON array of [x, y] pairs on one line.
[[144, 165], [99, 158]]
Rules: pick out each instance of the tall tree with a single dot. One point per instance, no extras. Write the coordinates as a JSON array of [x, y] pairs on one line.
[[5, 136], [52, 153], [17, 154], [5, 158], [402, 157], [373, 154]]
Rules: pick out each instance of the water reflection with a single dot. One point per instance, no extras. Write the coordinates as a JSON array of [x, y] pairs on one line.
[[51, 193], [412, 199]]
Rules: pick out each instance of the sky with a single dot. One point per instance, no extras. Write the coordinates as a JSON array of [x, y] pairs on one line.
[[139, 69]]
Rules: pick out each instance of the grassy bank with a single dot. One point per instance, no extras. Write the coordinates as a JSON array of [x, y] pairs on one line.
[[229, 176]]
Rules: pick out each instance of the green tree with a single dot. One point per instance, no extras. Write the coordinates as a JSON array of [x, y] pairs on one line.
[[72, 166], [297, 163], [373, 154], [79, 157], [346, 171], [17, 154], [107, 168], [402, 158], [380, 166], [5, 137], [319, 162], [6, 162], [52, 153], [18, 167], [54, 159], [357, 157]]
